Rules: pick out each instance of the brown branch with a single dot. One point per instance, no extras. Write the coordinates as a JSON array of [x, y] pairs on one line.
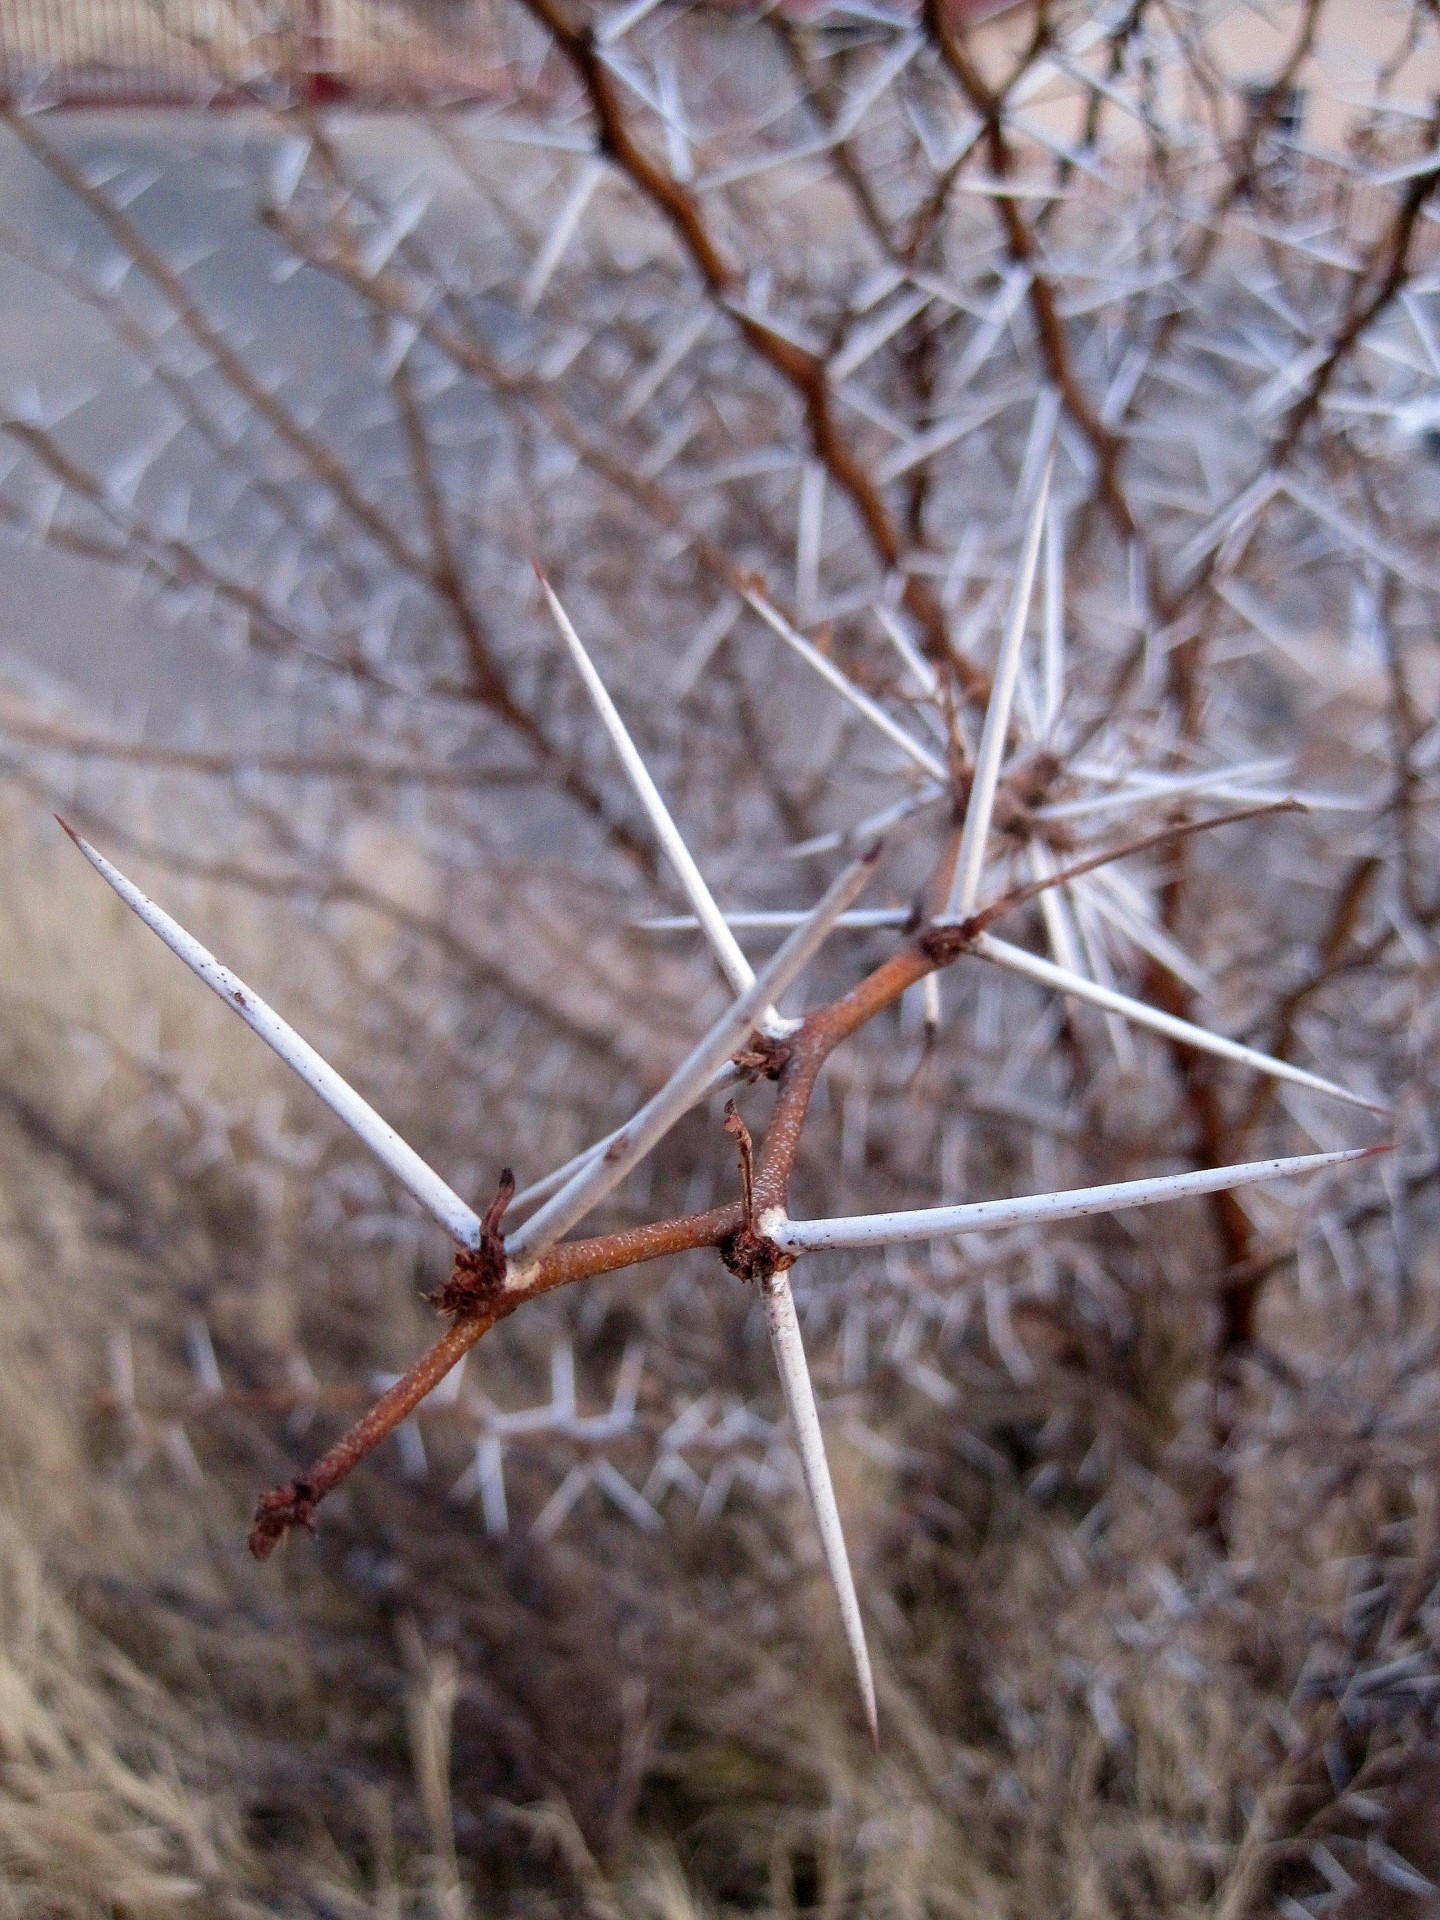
[[805, 373], [805, 1054], [294, 1503], [1370, 296], [55, 738], [479, 1272], [731, 1229], [446, 572], [1024, 252], [1162, 836], [817, 1038]]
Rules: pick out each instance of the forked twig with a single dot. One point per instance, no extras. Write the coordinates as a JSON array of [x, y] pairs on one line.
[[756, 1239]]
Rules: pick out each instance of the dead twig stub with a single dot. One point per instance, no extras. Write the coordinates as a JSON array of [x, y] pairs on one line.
[[478, 1275], [749, 1255]]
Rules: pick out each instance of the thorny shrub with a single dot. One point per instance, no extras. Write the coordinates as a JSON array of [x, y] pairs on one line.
[[1003, 448]]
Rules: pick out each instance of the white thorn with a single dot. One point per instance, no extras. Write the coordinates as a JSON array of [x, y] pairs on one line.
[[1064, 981], [552, 1515], [438, 1200], [733, 964], [1054, 630], [1138, 789], [930, 1000], [648, 383], [542, 1189], [200, 1351], [918, 667], [1060, 910], [1125, 907], [865, 830], [569, 217], [490, 1473], [846, 687], [627, 1384], [965, 886], [934, 1223], [690, 1080], [868, 340], [610, 30], [562, 1381], [769, 918], [613, 1484], [122, 1371], [789, 1351]]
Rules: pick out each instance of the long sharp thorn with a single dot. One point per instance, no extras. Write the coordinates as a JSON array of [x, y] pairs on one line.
[[845, 687], [1054, 652], [692, 1078], [965, 886], [789, 1351], [566, 221], [865, 830], [542, 1189], [936, 1223], [930, 1001], [1057, 910], [766, 918], [1141, 1015], [733, 964], [421, 1181], [920, 670], [1125, 909], [916, 665], [1139, 789]]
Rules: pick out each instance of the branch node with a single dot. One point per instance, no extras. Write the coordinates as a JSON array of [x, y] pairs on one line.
[[943, 942], [763, 1057], [750, 1256], [292, 1505], [479, 1273]]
